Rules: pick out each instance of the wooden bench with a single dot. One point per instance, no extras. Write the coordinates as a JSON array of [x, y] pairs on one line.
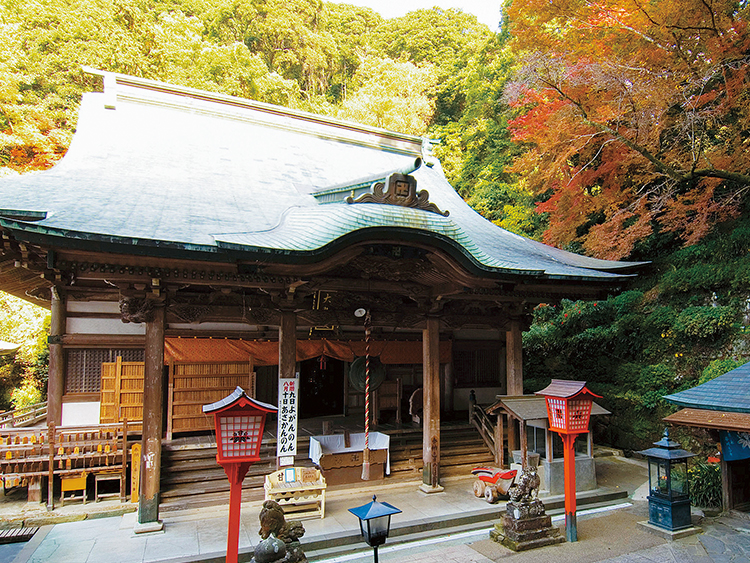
[[298, 489]]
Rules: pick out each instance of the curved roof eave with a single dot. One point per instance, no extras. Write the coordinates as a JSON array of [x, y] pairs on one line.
[[229, 252]]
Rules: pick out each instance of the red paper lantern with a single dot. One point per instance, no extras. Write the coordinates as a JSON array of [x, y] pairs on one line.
[[239, 421], [569, 410]]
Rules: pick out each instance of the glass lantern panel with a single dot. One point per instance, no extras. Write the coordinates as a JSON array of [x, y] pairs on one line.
[[240, 435], [659, 476], [556, 409], [680, 478], [379, 528]]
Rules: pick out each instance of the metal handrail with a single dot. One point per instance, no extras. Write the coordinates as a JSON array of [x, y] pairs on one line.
[[24, 416]]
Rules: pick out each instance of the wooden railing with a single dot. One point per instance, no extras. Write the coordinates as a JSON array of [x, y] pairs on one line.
[[482, 422], [25, 416]]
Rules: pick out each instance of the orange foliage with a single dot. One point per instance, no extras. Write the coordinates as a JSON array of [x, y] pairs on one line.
[[637, 111]]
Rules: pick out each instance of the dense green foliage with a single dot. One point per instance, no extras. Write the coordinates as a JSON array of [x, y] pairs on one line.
[[705, 484], [682, 324], [23, 376]]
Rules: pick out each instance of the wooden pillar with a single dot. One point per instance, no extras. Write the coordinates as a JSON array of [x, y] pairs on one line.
[[524, 444], [148, 500], [56, 381], [431, 407], [549, 446], [514, 358], [727, 503], [499, 439]]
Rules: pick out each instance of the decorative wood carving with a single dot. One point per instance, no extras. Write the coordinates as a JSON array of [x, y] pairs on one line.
[[402, 190], [384, 268], [189, 313], [135, 310]]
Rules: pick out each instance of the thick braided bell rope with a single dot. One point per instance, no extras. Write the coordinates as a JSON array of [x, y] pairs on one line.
[[368, 333]]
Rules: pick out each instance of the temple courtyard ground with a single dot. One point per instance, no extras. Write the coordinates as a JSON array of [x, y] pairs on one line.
[[448, 527]]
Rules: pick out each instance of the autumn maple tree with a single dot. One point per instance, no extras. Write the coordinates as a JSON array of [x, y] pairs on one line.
[[635, 114]]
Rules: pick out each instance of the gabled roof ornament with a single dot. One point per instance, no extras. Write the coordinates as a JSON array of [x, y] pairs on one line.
[[402, 190]]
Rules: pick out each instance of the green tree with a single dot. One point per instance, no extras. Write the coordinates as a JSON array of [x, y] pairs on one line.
[[392, 95], [25, 373]]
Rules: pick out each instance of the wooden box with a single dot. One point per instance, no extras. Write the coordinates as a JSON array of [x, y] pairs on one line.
[[346, 467]]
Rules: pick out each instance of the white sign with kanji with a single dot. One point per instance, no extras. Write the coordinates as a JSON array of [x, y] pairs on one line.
[[286, 444]]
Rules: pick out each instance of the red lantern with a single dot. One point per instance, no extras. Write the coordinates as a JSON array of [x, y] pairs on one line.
[[239, 421], [569, 410]]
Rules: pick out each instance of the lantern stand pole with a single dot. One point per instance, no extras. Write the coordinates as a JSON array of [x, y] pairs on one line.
[[375, 554], [571, 527], [236, 473]]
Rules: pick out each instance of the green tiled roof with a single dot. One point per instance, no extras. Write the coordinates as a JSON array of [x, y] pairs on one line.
[[176, 170], [729, 392]]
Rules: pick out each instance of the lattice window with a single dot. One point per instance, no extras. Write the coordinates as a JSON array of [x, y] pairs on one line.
[[83, 370]]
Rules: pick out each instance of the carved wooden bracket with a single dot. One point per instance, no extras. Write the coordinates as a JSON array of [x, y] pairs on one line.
[[402, 190], [136, 310]]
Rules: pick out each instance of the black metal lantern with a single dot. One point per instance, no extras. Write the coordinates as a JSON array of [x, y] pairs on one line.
[[668, 483], [375, 522]]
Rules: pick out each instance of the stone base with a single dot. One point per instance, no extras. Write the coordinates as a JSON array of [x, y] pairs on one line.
[[670, 534], [148, 527], [526, 526], [425, 488]]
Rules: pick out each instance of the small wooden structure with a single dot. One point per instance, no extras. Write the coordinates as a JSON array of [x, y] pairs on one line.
[[722, 406], [523, 421], [301, 490], [71, 454]]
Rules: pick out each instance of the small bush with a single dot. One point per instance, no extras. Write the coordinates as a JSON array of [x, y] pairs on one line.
[[705, 484], [704, 322]]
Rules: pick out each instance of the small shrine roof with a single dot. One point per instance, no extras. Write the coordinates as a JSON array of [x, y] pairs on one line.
[[532, 407], [162, 170], [729, 392]]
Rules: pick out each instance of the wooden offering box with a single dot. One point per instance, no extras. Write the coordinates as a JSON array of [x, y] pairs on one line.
[[341, 463]]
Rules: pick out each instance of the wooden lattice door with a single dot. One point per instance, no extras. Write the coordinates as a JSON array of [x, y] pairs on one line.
[[194, 384], [122, 391]]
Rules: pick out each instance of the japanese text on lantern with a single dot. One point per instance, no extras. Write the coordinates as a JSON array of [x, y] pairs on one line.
[[287, 431]]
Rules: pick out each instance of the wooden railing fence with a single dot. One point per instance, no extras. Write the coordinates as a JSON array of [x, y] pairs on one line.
[[486, 428], [24, 416]]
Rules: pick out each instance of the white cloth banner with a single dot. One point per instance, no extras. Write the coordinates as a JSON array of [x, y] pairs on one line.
[[334, 444], [286, 444]]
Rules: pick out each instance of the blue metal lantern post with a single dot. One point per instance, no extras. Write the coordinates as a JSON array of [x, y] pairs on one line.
[[669, 488], [375, 522]]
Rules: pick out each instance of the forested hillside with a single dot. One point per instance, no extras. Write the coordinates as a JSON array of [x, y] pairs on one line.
[[615, 128]]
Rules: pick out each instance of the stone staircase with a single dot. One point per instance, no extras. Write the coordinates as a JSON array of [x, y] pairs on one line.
[[191, 477]]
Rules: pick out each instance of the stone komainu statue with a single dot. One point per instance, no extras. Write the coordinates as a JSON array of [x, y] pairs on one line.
[[527, 486], [274, 527]]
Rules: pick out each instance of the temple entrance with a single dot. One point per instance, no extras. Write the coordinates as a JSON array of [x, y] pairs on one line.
[[321, 387]]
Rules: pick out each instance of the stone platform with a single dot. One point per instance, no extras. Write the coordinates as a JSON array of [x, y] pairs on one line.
[[525, 525]]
